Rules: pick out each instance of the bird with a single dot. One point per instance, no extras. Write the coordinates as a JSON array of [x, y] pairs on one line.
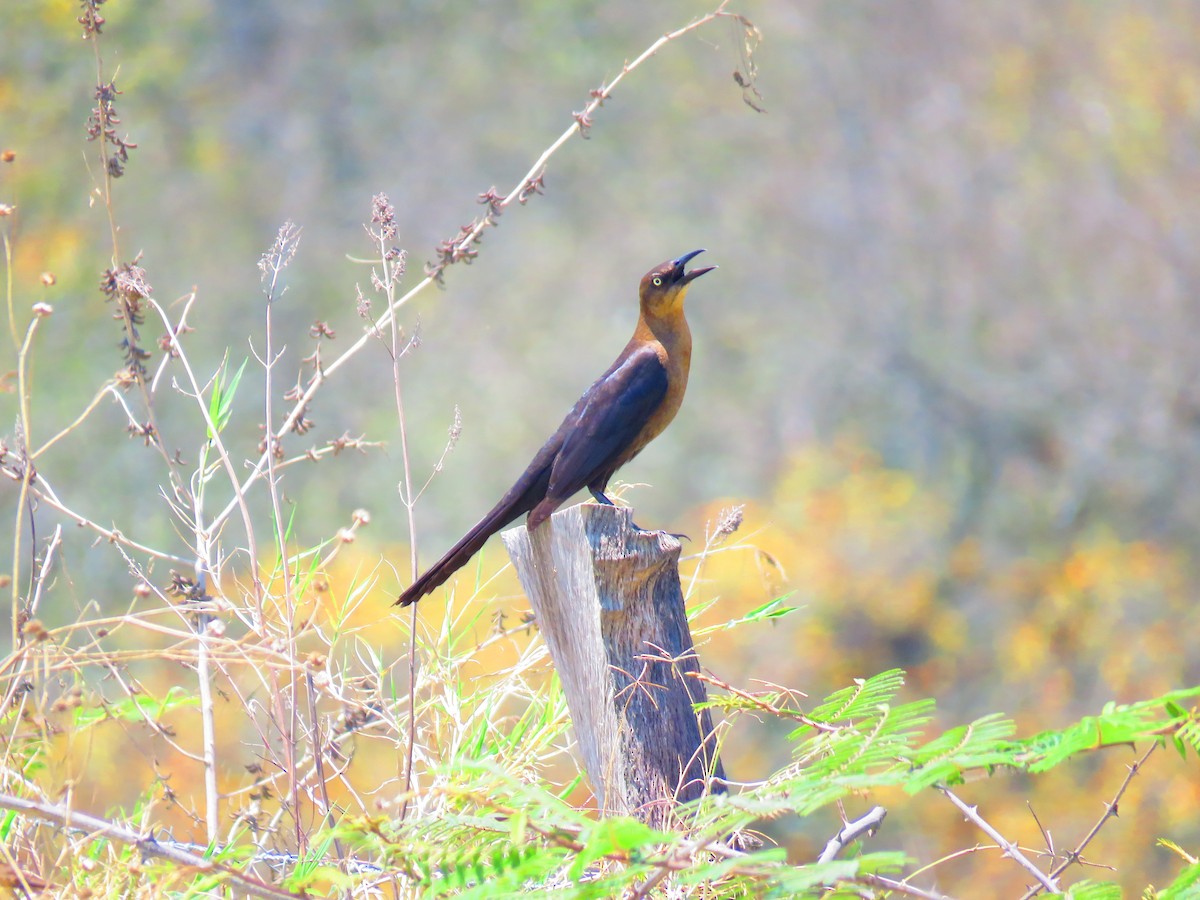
[[627, 407]]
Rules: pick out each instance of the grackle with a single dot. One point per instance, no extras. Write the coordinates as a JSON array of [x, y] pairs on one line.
[[615, 418]]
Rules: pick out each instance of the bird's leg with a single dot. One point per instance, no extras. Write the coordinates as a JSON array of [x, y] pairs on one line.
[[600, 497]]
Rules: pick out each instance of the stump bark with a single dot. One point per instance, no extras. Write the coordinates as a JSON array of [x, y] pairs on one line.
[[608, 600]]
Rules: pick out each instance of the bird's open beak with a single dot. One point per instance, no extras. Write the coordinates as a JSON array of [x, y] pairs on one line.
[[682, 277]]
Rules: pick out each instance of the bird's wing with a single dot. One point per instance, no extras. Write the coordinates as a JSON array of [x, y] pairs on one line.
[[614, 411]]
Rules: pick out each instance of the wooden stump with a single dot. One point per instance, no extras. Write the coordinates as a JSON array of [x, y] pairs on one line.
[[608, 600]]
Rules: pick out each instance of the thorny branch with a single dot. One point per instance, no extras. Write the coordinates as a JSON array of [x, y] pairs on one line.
[[1110, 812], [146, 843], [1010, 849], [866, 824]]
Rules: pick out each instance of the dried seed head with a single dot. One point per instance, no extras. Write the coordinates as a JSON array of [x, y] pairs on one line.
[[35, 630], [730, 519], [383, 214]]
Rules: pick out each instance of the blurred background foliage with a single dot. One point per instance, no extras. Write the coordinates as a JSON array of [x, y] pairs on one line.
[[949, 361]]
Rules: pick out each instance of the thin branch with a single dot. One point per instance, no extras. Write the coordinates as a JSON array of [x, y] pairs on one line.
[[900, 887], [209, 731], [222, 454], [1010, 849], [1110, 812], [68, 818], [318, 754], [104, 136], [45, 493], [26, 473], [767, 706], [272, 264], [728, 522], [9, 290], [392, 265], [866, 824], [181, 327], [44, 570], [87, 411]]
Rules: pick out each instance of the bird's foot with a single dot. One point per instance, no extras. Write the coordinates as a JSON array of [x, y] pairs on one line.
[[603, 499]]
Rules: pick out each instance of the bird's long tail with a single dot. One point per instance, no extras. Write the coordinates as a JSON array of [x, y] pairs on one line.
[[520, 499]]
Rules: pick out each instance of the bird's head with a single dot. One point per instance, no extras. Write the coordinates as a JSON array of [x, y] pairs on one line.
[[664, 287]]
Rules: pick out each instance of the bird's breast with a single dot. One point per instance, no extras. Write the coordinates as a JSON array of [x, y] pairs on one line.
[[673, 346]]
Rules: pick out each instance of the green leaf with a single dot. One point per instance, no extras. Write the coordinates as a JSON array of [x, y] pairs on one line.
[[862, 699], [984, 743], [137, 708], [1092, 890], [818, 876], [1185, 886], [618, 835], [772, 609], [220, 404]]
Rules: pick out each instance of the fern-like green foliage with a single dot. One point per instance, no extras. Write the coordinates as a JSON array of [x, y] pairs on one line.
[[1185, 886], [498, 834], [1091, 890]]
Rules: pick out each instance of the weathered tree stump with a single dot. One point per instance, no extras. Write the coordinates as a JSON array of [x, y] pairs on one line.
[[608, 600]]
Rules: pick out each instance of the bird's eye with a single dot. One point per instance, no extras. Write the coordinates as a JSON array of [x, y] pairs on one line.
[[657, 281]]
